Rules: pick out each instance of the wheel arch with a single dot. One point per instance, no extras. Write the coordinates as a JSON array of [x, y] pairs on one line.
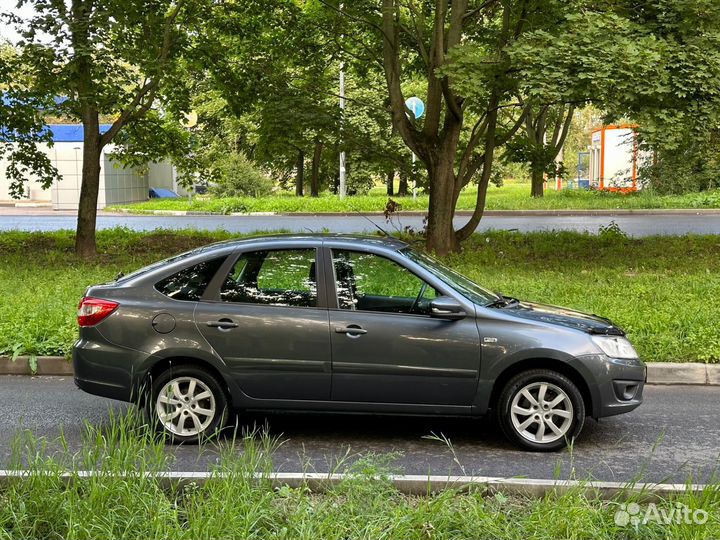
[[162, 364], [553, 364]]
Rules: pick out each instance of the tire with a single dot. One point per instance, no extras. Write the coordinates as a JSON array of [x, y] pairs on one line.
[[534, 431], [202, 408]]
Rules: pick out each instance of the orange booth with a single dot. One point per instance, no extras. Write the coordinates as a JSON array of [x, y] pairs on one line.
[[614, 158]]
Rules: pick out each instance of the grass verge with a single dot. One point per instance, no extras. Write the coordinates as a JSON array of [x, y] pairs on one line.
[[661, 290], [507, 197], [124, 500]]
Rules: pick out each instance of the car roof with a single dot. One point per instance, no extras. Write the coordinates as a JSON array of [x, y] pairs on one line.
[[263, 242], [387, 242]]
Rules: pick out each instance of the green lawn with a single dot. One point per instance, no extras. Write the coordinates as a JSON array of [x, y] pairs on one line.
[[662, 290], [508, 197], [125, 501]]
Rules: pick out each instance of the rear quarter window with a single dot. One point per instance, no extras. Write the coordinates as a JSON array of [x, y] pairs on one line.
[[189, 284]]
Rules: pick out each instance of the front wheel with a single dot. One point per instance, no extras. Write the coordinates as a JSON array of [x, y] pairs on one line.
[[541, 410], [187, 404]]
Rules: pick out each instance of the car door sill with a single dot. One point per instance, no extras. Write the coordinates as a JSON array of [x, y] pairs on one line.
[[359, 407]]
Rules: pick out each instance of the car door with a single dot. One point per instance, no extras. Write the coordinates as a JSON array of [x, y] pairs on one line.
[[270, 326], [385, 346]]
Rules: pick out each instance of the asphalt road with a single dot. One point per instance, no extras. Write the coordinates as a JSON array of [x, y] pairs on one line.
[[634, 225], [674, 435]]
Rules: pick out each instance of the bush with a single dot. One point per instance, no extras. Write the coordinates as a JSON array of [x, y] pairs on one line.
[[361, 178], [692, 166], [238, 176]]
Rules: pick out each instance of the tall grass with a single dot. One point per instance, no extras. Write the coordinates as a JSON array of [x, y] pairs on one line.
[[508, 197], [124, 499], [661, 290]]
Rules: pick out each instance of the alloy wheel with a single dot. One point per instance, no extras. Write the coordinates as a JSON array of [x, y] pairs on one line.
[[541, 412], [185, 406]]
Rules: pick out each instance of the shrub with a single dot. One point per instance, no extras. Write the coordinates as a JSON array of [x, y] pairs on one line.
[[238, 176]]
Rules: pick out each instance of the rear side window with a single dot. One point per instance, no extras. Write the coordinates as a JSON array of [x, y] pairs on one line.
[[190, 283]]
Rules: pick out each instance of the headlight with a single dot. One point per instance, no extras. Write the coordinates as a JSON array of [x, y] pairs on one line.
[[615, 346]]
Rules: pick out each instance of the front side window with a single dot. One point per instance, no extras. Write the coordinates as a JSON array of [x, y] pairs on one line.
[[281, 277], [190, 283], [368, 282]]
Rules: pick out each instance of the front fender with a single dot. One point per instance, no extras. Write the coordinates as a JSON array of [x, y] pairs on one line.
[[494, 374]]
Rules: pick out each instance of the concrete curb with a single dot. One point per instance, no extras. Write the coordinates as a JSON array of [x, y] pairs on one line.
[[46, 365], [679, 373], [459, 213], [415, 484], [692, 373]]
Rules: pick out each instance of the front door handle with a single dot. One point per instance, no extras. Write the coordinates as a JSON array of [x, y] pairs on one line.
[[352, 330], [223, 324]]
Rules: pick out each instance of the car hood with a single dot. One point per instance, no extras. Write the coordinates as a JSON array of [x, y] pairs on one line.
[[592, 324]]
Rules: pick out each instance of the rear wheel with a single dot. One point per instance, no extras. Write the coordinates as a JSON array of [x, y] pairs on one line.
[[541, 410], [187, 404]]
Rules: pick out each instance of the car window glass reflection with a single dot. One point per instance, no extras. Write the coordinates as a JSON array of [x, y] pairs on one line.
[[279, 277], [190, 283], [368, 282]]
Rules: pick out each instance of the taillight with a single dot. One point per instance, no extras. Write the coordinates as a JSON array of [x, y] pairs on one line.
[[93, 310]]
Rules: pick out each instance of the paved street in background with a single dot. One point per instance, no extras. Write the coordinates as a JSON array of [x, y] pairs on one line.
[[675, 434], [633, 224]]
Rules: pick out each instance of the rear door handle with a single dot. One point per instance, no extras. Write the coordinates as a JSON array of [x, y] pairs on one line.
[[350, 330], [223, 324]]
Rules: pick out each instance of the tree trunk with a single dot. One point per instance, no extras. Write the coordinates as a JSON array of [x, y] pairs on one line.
[[390, 182], [300, 174], [440, 236], [315, 172], [85, 245], [403, 186], [349, 189], [488, 157], [538, 181]]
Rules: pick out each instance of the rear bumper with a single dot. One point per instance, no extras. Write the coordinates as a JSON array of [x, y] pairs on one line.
[[106, 370], [104, 389]]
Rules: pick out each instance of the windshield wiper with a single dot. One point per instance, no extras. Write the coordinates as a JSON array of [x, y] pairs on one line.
[[502, 302]]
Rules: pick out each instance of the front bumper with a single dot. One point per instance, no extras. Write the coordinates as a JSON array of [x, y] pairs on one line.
[[619, 384]]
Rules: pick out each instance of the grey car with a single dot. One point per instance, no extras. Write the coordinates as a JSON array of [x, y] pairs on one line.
[[345, 324]]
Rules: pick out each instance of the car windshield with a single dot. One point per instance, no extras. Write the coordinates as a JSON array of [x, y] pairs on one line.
[[468, 288]]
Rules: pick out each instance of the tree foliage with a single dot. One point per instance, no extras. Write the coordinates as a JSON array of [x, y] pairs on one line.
[[497, 76], [108, 59], [22, 126], [661, 70]]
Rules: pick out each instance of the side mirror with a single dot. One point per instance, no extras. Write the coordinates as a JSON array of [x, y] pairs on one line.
[[447, 308]]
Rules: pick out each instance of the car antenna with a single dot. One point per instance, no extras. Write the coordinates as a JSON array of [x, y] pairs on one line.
[[380, 228]]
